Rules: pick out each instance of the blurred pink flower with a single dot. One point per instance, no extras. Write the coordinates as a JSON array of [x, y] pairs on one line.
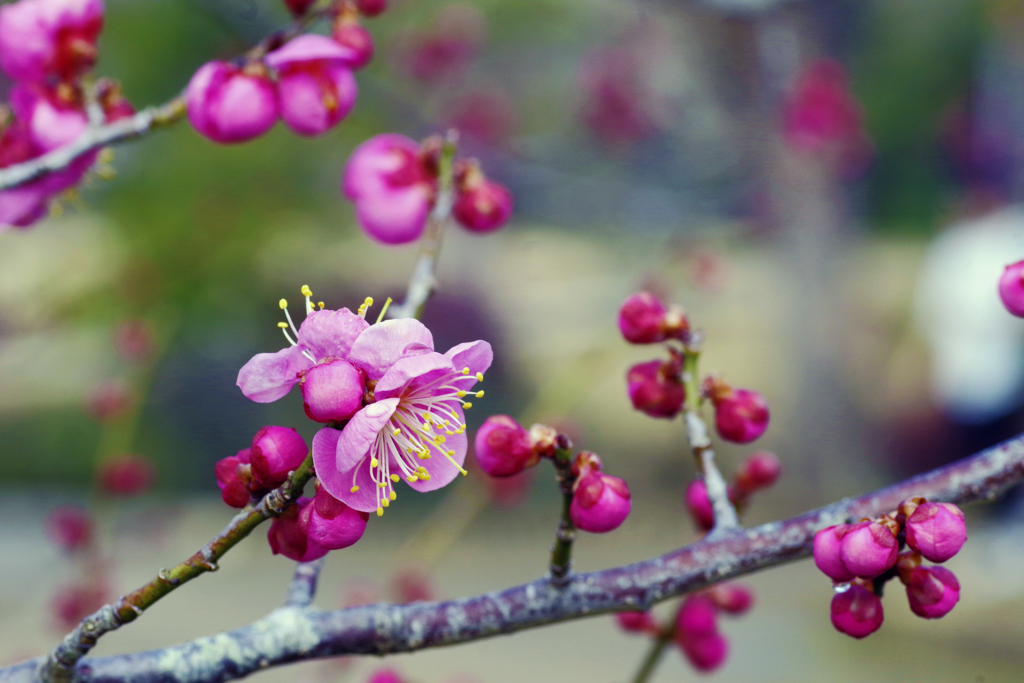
[[126, 475], [229, 104], [315, 85], [42, 38]]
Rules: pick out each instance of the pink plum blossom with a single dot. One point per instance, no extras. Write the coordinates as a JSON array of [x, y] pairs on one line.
[[932, 591], [391, 187], [656, 388], [352, 35], [331, 524], [641, 319], [741, 415], [52, 116], [600, 502], [23, 205], [868, 549], [1011, 288], [857, 611], [234, 487], [827, 557], [287, 538], [699, 505], [126, 475], [70, 528], [482, 205], [503, 447], [42, 38], [697, 633], [316, 88], [228, 104], [371, 8], [731, 598], [275, 452], [936, 530], [759, 471]]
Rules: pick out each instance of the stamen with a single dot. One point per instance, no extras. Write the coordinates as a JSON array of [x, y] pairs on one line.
[[467, 405], [320, 304], [380, 511], [308, 293], [366, 304], [384, 310], [465, 371], [479, 394], [353, 489], [395, 477], [479, 377], [392, 495]]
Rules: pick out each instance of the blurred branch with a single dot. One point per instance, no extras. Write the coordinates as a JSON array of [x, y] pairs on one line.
[[291, 634], [302, 588], [59, 665]]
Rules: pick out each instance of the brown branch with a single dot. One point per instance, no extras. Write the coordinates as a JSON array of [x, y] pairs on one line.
[[291, 634]]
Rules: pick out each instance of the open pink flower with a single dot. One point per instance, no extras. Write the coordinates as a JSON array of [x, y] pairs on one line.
[[41, 38], [23, 205], [315, 84], [414, 428]]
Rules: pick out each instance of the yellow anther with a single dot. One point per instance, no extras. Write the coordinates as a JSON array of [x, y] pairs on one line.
[[465, 371], [306, 291], [381, 485], [353, 489], [283, 303], [395, 477], [450, 433], [460, 394], [451, 452], [392, 495], [479, 377], [467, 405], [398, 430], [385, 502], [380, 511], [320, 304], [412, 478], [373, 462], [283, 325], [421, 470], [479, 394], [425, 477], [464, 472]]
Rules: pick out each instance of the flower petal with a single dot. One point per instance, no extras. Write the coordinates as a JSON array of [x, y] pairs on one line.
[[361, 432], [377, 349], [477, 356], [406, 371], [442, 470], [270, 376], [331, 333], [339, 484]]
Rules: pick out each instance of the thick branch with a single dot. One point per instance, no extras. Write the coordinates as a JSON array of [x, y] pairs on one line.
[[291, 634]]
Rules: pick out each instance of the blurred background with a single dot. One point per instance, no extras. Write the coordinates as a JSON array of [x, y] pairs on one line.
[[830, 188]]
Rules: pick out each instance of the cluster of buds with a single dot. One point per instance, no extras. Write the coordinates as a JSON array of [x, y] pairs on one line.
[[253, 471], [758, 472], [73, 531], [393, 182], [861, 557], [695, 629], [1011, 288], [46, 47], [600, 502]]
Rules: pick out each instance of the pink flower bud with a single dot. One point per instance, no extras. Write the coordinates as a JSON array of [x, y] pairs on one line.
[[299, 7], [126, 475], [741, 416], [706, 653], [636, 622], [697, 633], [332, 391], [936, 530], [331, 524], [412, 585], [316, 88], [354, 36], [385, 676], [391, 188], [699, 505], [656, 389], [234, 487], [134, 340], [731, 598], [857, 611], [759, 471], [868, 549], [827, 558], [287, 538], [70, 528], [53, 117], [40, 38], [600, 503], [641, 318], [482, 205], [230, 104], [1011, 288], [503, 447], [110, 401], [371, 8], [932, 591], [112, 101], [276, 451], [73, 603]]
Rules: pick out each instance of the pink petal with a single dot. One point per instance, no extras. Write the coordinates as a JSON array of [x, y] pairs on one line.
[[396, 215], [477, 356], [442, 470], [367, 497], [361, 432], [382, 344], [406, 371], [270, 376], [310, 47], [331, 333]]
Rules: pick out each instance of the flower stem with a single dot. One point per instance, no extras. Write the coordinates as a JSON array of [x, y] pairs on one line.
[[650, 662], [561, 551]]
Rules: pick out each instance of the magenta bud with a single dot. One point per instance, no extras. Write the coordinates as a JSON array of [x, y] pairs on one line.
[[656, 389], [1011, 288], [868, 549], [932, 591], [299, 7], [857, 611], [636, 622], [73, 603], [641, 319], [600, 503], [741, 416], [483, 206], [705, 653], [385, 676], [371, 8], [827, 543], [359, 41], [936, 530], [503, 447], [413, 585], [332, 391], [315, 85], [759, 471], [698, 616], [276, 451], [731, 598], [230, 104], [331, 524], [110, 400], [699, 505], [42, 38], [287, 538], [126, 475], [234, 488], [70, 528]]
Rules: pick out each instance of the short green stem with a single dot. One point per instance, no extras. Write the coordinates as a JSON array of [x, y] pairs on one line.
[[650, 662], [561, 551]]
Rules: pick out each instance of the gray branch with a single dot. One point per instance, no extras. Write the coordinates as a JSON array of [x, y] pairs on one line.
[[291, 634], [302, 588]]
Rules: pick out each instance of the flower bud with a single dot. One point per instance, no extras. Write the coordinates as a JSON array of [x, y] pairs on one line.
[[699, 505], [697, 633], [126, 475], [503, 447], [481, 205], [229, 104], [932, 591], [73, 603], [412, 585], [544, 440], [41, 38], [600, 502], [352, 35], [287, 538], [234, 487], [1011, 288], [110, 401], [741, 415], [133, 339], [868, 549], [112, 101], [936, 530], [276, 451], [731, 598], [332, 391], [70, 528], [656, 388], [53, 116], [706, 653], [315, 85], [331, 524], [636, 622], [641, 318], [759, 471], [857, 611], [371, 8], [385, 676], [299, 7], [827, 558]]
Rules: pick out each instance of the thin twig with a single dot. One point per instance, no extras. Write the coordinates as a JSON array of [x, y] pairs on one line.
[[290, 635], [302, 588], [560, 568], [650, 662]]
